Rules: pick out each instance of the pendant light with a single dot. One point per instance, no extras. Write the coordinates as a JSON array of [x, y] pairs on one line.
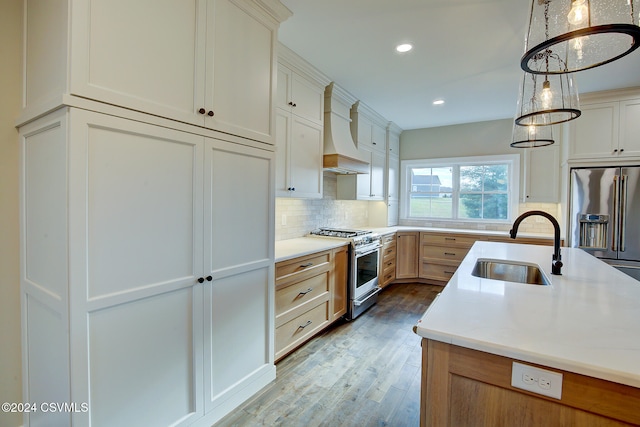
[[547, 99], [531, 136], [566, 36]]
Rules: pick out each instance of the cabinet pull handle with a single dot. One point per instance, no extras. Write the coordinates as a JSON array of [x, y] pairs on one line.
[[449, 253], [291, 188], [309, 264], [449, 238], [209, 278], [449, 272], [305, 325], [210, 113], [202, 111], [200, 279], [303, 293], [374, 143]]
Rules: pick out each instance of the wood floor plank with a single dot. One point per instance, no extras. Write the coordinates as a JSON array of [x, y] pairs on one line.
[[364, 372]]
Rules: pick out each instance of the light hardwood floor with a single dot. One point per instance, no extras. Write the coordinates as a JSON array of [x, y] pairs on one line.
[[360, 373]]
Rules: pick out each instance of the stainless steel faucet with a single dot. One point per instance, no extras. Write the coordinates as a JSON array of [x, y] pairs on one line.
[[556, 263]]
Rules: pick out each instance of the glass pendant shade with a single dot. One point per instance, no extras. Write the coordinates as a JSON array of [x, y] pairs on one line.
[[531, 136], [547, 100], [566, 36]]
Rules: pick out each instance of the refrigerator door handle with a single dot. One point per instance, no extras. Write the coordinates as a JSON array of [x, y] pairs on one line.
[[616, 214], [623, 209]]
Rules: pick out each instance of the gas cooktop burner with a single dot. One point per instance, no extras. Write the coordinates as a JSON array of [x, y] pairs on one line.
[[335, 232]]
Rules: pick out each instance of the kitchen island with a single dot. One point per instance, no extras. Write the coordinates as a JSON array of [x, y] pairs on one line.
[[584, 325]]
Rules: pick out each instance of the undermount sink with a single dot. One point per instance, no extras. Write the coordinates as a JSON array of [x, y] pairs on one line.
[[509, 271]]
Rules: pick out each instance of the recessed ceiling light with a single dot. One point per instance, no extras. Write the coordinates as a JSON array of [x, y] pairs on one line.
[[438, 102], [405, 47]]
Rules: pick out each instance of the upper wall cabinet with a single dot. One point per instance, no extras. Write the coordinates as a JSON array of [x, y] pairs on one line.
[[368, 129], [608, 128], [299, 127], [192, 73], [541, 174]]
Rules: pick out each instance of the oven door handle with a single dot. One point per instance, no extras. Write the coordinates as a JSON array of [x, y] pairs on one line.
[[374, 291], [367, 251]]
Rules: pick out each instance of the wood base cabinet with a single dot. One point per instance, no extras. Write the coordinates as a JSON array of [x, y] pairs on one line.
[[388, 260], [135, 291], [464, 387], [407, 250], [311, 293]]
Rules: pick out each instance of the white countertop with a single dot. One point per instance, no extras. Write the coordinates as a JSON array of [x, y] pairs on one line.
[[587, 321], [388, 230], [293, 248]]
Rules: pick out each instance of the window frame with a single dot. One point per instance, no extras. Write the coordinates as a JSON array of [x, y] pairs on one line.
[[513, 191]]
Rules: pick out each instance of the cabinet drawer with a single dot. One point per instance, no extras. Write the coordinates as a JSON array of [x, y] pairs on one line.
[[389, 239], [389, 253], [445, 253], [388, 263], [457, 240], [299, 293], [436, 271], [298, 266], [388, 276], [295, 331]]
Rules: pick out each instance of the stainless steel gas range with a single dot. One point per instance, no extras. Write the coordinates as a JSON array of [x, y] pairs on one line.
[[363, 267]]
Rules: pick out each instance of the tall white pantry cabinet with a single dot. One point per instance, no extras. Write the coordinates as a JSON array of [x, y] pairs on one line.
[[147, 227]]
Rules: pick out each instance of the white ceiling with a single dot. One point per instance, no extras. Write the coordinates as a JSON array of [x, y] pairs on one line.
[[465, 51]]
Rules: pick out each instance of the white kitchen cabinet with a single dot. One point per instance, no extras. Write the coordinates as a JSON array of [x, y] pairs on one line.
[[299, 94], [368, 186], [370, 135], [121, 53], [541, 175], [595, 133], [606, 131], [299, 146], [299, 127], [134, 287], [630, 128]]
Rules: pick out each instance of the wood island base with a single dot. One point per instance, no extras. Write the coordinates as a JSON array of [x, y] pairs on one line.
[[464, 387]]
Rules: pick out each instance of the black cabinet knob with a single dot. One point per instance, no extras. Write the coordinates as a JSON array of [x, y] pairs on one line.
[[210, 113], [200, 279], [209, 278], [202, 111]]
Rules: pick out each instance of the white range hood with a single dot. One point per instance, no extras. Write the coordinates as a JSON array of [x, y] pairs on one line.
[[341, 154]]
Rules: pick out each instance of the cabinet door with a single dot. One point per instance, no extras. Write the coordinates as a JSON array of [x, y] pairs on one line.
[[124, 55], [283, 169], [239, 70], [339, 283], [630, 128], [135, 226], [393, 207], [393, 182], [378, 163], [306, 148], [542, 175], [379, 138], [363, 180], [307, 98], [407, 255], [283, 89], [238, 253], [595, 133]]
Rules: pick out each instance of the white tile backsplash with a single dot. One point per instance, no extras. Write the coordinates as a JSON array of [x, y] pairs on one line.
[[304, 215]]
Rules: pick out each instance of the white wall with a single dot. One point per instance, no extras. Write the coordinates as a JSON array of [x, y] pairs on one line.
[[472, 139], [10, 83]]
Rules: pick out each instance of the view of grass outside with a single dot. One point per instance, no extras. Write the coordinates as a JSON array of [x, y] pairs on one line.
[[481, 192]]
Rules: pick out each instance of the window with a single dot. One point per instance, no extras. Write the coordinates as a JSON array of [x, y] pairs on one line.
[[470, 188]]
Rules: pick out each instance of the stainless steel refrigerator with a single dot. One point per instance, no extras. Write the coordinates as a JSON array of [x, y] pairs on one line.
[[605, 215]]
